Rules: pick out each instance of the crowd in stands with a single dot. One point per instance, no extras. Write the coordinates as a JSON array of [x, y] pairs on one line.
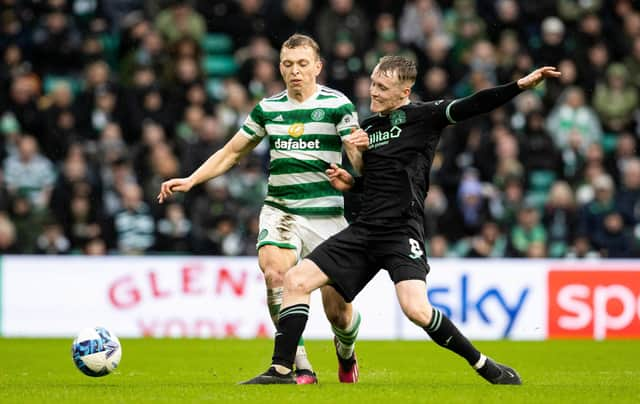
[[102, 100]]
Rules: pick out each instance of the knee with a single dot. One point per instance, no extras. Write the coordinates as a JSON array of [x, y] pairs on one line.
[[295, 283], [419, 314], [274, 276]]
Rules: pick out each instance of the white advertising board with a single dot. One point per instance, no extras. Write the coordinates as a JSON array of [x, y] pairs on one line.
[[45, 296]]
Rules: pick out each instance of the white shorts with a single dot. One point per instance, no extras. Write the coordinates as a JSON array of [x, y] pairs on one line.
[[300, 233]]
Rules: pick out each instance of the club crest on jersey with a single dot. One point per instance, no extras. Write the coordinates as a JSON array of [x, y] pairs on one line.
[[263, 234], [296, 130], [317, 114], [398, 117]]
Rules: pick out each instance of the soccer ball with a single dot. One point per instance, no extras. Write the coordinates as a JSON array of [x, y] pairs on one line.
[[96, 351]]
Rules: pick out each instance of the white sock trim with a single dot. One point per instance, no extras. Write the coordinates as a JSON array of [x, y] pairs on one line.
[[301, 360], [480, 363]]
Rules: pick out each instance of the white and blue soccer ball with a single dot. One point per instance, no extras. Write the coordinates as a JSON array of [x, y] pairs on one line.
[[96, 351]]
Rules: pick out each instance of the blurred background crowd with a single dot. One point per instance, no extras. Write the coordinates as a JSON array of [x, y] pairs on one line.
[[102, 100]]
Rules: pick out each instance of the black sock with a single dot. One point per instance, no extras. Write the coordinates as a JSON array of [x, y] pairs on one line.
[[444, 333], [291, 323]]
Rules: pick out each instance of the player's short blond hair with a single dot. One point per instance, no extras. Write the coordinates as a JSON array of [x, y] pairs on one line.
[[298, 40], [403, 67]]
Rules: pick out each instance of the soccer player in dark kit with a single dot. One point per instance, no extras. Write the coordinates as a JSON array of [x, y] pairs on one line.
[[388, 233]]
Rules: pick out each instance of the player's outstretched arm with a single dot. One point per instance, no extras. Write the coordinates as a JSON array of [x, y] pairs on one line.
[[219, 163], [487, 100], [355, 144], [340, 178]]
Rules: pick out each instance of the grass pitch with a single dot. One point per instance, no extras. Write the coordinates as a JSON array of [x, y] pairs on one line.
[[173, 371]]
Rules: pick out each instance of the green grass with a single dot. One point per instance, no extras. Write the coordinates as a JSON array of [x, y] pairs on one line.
[[40, 370]]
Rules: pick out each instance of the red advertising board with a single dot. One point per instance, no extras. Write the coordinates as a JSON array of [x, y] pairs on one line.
[[594, 304]]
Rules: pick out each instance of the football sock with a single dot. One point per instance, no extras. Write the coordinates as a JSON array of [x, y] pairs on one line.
[[301, 361], [444, 333], [347, 337], [292, 321], [274, 301]]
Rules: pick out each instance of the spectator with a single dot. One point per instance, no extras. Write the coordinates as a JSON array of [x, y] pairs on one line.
[[22, 104], [615, 101], [418, 16], [52, 240], [343, 17], [7, 235], [489, 243], [592, 215], [96, 247], [133, 225], [295, 16], [554, 46], [559, 218], [624, 153], [572, 121], [614, 241], [56, 43], [438, 246], [178, 20], [628, 198], [30, 173], [472, 206], [526, 233], [173, 232]]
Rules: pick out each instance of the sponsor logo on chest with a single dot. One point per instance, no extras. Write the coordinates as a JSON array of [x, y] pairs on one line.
[[381, 138]]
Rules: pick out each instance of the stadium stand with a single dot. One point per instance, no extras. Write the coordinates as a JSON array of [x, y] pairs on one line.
[[102, 100]]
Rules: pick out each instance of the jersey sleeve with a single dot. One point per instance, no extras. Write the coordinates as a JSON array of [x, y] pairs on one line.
[[438, 112], [346, 119], [253, 126]]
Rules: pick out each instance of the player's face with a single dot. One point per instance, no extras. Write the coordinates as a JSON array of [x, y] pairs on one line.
[[387, 92], [299, 67]]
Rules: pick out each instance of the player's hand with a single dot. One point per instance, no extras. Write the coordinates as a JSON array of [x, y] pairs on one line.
[[174, 185], [358, 139], [339, 178], [535, 77]]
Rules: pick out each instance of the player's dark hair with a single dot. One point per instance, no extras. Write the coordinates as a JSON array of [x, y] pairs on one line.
[[298, 40], [405, 68]]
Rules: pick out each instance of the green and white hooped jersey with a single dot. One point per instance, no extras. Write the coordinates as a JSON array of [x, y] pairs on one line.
[[304, 138]]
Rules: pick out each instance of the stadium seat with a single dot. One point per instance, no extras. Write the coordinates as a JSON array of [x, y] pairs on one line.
[[219, 65], [217, 44], [609, 142], [541, 180], [215, 88], [50, 82]]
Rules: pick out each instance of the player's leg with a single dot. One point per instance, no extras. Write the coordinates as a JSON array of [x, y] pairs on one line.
[[299, 282], [344, 318], [275, 262], [279, 248], [412, 295], [345, 323]]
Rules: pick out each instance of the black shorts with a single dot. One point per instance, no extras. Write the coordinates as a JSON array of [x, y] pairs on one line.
[[352, 257]]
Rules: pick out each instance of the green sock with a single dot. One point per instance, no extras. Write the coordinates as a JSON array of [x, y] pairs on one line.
[[347, 337]]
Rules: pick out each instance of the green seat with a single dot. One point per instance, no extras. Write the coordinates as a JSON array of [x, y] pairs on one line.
[[541, 180], [537, 199], [609, 142], [220, 65], [215, 88], [217, 43], [50, 82]]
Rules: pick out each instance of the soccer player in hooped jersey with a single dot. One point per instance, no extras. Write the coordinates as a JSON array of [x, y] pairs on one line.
[[388, 232], [306, 125]]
